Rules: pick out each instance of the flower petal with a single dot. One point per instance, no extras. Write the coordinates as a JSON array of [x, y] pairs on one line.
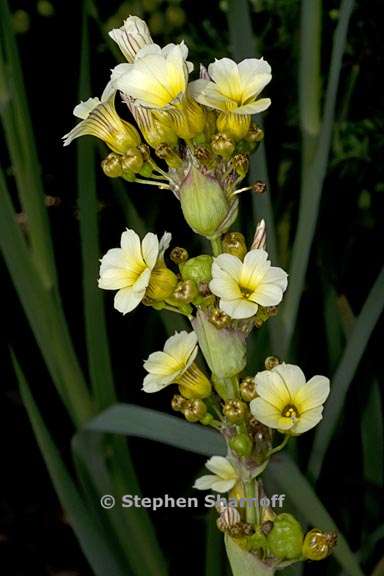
[[161, 364], [293, 378], [205, 482], [227, 265], [127, 300], [265, 412], [182, 346], [227, 289], [239, 309], [272, 388], [223, 485], [221, 467], [154, 383], [267, 295], [254, 268], [308, 420], [150, 249], [313, 394], [254, 107], [225, 74]]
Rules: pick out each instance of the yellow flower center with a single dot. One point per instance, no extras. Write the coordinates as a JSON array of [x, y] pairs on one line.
[[290, 411]]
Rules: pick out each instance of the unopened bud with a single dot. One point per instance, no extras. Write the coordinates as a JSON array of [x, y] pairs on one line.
[[248, 389], [260, 237], [235, 410], [167, 152], [195, 410], [234, 243], [198, 269], [285, 540], [207, 419], [318, 544], [271, 362], [222, 145], [179, 255], [241, 444], [162, 283], [219, 318], [240, 164], [111, 165], [132, 161], [255, 134], [185, 291]]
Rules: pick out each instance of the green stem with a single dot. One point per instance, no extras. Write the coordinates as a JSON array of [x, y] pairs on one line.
[[252, 509], [279, 446], [216, 246]]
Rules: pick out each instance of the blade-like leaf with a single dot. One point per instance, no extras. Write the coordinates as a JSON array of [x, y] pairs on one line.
[[213, 547], [372, 433], [353, 353], [89, 533]]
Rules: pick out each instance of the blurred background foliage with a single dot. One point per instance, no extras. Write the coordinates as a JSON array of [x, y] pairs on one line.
[[345, 260]]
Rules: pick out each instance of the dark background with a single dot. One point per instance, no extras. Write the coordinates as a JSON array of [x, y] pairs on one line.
[[347, 254]]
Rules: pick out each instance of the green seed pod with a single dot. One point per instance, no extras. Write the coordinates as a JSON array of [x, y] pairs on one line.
[[285, 540], [111, 165], [258, 542], [234, 243], [195, 410], [197, 269], [132, 161], [207, 419], [318, 544], [235, 410], [162, 283], [241, 444], [179, 403]]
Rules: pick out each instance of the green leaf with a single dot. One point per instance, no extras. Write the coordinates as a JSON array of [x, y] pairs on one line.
[[313, 174], [141, 422], [294, 484], [243, 563], [353, 353], [89, 533], [22, 149], [99, 361], [213, 547], [372, 433]]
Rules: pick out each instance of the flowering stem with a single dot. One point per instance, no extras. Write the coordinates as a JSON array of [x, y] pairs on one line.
[[216, 246], [279, 446], [252, 508]]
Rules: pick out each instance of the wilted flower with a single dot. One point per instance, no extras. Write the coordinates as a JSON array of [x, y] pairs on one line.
[[224, 476], [131, 37], [128, 268], [243, 286], [286, 401], [234, 90], [175, 364], [100, 119]]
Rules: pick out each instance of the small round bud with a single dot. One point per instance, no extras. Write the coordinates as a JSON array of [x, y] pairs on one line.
[[186, 291], [167, 153], [235, 410], [219, 318], [198, 269], [240, 164], [248, 389], [207, 419], [285, 540], [179, 255], [255, 135], [132, 161], [318, 544], [178, 403], [259, 187], [162, 283], [222, 145], [195, 410], [241, 444], [111, 165], [271, 362], [234, 243]]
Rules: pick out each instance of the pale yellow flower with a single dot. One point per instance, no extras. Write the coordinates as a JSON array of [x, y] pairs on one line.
[[286, 401], [224, 476], [131, 37], [234, 91], [100, 119], [243, 286], [175, 365], [128, 269]]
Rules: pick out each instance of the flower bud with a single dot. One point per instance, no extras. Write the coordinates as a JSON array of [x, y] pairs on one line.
[[240, 164], [271, 362], [195, 410], [222, 145], [259, 187], [248, 389], [219, 318], [179, 255], [255, 134], [198, 269], [111, 165], [260, 237], [178, 403], [185, 291], [318, 544], [162, 283], [168, 153], [234, 243], [235, 410], [207, 419], [205, 205], [132, 160], [193, 384], [285, 540], [241, 444]]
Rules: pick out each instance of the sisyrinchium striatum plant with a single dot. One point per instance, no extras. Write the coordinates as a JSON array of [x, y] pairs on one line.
[[194, 138]]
